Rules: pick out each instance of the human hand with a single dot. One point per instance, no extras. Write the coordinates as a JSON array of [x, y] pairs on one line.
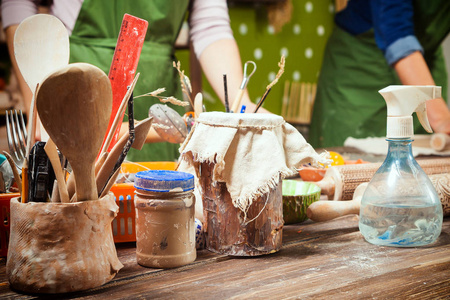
[[442, 126], [438, 115]]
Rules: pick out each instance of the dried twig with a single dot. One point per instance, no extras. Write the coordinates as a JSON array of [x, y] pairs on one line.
[[280, 72], [185, 82], [164, 99], [269, 87]]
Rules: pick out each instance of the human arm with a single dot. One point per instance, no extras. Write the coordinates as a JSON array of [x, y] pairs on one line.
[[394, 34], [152, 136], [13, 12], [413, 70], [216, 49], [222, 57], [24, 88]]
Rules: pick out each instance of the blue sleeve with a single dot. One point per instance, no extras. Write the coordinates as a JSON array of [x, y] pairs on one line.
[[394, 28]]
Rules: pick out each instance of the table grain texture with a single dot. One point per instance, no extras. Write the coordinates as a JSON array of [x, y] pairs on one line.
[[329, 260]]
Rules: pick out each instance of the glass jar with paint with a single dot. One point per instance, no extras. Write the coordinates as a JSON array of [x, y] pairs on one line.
[[165, 224]]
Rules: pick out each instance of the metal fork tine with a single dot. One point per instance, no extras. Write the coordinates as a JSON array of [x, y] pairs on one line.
[[9, 134], [20, 132], [24, 127], [16, 138], [15, 135]]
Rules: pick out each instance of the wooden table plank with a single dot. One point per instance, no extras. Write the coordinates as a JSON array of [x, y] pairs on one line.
[[327, 260]]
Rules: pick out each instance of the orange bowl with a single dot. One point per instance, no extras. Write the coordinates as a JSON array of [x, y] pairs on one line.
[[312, 174], [315, 174]]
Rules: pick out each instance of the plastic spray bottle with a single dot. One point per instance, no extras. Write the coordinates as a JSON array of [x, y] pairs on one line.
[[400, 206]]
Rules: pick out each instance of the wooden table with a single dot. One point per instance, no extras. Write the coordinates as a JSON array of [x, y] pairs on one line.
[[327, 260]]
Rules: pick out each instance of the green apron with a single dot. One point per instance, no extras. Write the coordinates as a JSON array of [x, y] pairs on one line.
[[94, 38], [354, 69]]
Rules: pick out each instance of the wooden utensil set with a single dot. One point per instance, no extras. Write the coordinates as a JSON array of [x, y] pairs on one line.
[[78, 106]]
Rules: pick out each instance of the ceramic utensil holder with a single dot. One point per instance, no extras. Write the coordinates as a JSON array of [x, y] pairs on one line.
[[62, 247]]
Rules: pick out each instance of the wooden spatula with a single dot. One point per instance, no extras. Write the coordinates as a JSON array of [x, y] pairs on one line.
[[74, 104]]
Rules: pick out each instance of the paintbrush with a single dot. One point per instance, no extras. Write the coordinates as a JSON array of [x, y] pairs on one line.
[[225, 88], [262, 99], [269, 87]]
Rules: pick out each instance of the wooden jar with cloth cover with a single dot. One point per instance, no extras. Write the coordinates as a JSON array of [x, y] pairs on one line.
[[240, 161], [93, 41]]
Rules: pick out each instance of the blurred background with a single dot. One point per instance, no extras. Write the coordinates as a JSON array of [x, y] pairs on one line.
[[264, 30]]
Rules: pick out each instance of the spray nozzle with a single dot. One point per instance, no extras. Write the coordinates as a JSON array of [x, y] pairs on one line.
[[402, 101]]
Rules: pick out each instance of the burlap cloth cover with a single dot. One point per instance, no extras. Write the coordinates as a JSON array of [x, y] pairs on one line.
[[251, 152], [62, 247]]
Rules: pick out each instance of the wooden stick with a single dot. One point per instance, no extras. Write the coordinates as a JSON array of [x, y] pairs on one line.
[[237, 101], [225, 89], [313, 92], [106, 169], [100, 161], [198, 104], [15, 171], [52, 153], [110, 183], [301, 110], [285, 99], [262, 100], [292, 96], [30, 141], [117, 120], [307, 109]]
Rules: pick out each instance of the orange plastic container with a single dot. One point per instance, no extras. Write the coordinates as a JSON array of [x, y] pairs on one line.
[[5, 221], [124, 226]]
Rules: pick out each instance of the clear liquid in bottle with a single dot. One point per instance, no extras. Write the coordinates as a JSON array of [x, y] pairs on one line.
[[400, 206], [400, 225]]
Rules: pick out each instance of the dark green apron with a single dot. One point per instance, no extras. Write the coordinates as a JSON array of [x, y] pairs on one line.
[[94, 38], [354, 69]]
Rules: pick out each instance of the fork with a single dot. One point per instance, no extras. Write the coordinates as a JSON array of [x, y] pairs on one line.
[[16, 133]]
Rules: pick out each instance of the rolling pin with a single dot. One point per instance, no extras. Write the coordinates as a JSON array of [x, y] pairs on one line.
[[340, 182], [440, 141], [327, 210]]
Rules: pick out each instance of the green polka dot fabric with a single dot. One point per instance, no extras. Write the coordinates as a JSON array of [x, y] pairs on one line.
[[302, 40]]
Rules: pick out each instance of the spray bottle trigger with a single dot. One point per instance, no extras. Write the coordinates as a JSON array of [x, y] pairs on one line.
[[421, 112]]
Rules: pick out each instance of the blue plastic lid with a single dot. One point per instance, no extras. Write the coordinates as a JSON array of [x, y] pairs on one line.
[[2, 158], [163, 181]]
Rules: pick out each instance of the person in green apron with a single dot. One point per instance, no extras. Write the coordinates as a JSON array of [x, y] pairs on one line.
[[375, 45], [94, 36], [102, 20]]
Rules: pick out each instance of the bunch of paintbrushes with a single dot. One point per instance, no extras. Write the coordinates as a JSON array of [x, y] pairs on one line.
[[243, 86]]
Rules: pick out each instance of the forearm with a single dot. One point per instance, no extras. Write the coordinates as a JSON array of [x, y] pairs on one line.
[[413, 70], [222, 57], [25, 90], [152, 136]]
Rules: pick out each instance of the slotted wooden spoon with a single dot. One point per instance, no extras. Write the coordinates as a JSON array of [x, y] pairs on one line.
[[74, 104]]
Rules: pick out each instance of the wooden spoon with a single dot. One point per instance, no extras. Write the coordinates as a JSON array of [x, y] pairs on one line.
[[198, 104], [41, 45], [74, 104], [52, 153]]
